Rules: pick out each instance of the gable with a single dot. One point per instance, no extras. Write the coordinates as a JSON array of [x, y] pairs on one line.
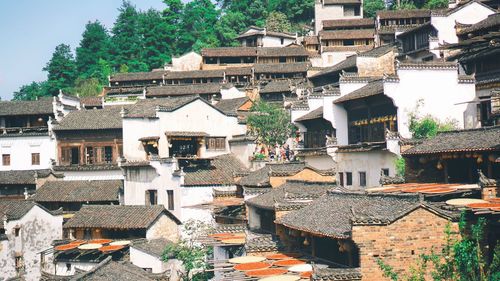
[[306, 174], [246, 106]]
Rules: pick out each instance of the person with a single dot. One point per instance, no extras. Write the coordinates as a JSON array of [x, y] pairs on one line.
[[287, 152]]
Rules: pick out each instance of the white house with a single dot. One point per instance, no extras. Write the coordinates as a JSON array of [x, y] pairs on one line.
[[147, 254], [260, 37], [336, 9], [28, 229], [186, 62]]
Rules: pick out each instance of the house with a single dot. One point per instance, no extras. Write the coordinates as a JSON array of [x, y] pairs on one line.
[[478, 55], [148, 255], [263, 209], [186, 62], [210, 91], [89, 143], [354, 229], [71, 195], [109, 270], [25, 140], [21, 219], [22, 184], [137, 78], [125, 222], [281, 71], [325, 10], [260, 37], [388, 23], [455, 157], [277, 91]]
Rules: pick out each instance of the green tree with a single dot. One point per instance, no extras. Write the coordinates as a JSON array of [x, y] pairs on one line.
[[126, 40], [278, 22], [94, 47], [297, 11], [90, 87], [406, 5], [31, 91], [427, 126], [61, 70], [370, 7], [198, 26], [172, 18], [270, 123], [436, 4], [229, 27], [153, 29]]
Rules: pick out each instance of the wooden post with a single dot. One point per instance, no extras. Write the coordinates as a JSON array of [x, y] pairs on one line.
[[445, 170]]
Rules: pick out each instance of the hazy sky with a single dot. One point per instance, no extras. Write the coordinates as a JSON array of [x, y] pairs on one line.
[[31, 29]]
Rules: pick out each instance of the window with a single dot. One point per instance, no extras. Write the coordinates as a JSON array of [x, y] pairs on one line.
[[6, 159], [89, 155], [282, 41], [68, 267], [19, 263], [108, 154], [216, 143], [170, 195], [385, 171], [341, 179], [362, 178], [75, 155], [282, 59], [348, 42], [17, 231], [348, 178], [151, 197]]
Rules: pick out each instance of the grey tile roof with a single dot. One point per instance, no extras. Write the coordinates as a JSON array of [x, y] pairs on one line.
[[109, 270], [15, 209], [338, 2], [260, 177], [91, 101], [220, 172], [230, 106], [348, 23], [403, 14], [371, 89], [153, 247], [22, 177], [92, 119], [79, 191], [379, 51], [336, 274], [315, 114], [263, 31], [348, 63], [183, 90], [195, 74], [482, 139], [263, 243], [492, 20], [347, 34], [311, 40], [117, 216], [43, 106], [333, 214], [275, 86], [282, 51], [91, 167], [137, 76], [229, 52], [295, 67], [110, 91], [147, 107], [293, 194]]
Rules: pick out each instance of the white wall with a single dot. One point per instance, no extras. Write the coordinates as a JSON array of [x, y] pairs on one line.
[[38, 229], [145, 260], [20, 149], [93, 175], [271, 41], [231, 93], [7, 261], [243, 151], [189, 61], [62, 270], [253, 217], [469, 14], [332, 58], [329, 12], [136, 128], [370, 162], [320, 162]]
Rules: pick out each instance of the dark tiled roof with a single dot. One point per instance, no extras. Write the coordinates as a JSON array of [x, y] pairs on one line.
[[347, 34], [315, 114], [230, 106], [14, 209], [137, 76], [275, 86], [348, 23], [183, 90], [334, 214], [311, 40], [281, 67], [147, 107], [357, 49], [91, 101], [403, 14], [195, 74], [229, 52], [238, 71], [293, 194], [117, 216], [482, 139], [109, 270], [371, 89], [109, 91], [294, 51], [92, 119], [91, 167], [185, 134], [379, 51], [263, 243], [336, 274], [349, 62], [22, 177], [262, 31], [79, 191], [43, 106], [489, 22], [338, 2], [220, 172], [362, 147], [153, 247]]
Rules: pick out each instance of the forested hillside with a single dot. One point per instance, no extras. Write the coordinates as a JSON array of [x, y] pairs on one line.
[[145, 40]]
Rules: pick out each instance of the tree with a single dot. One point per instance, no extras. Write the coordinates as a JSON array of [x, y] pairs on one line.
[[126, 39], [61, 70], [436, 4], [87, 87], [370, 7], [406, 5], [153, 28], [278, 22], [198, 26], [297, 11], [270, 123], [94, 47], [31, 91], [172, 18], [427, 126], [229, 27]]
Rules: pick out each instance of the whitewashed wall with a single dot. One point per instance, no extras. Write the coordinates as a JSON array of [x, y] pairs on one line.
[[20, 149], [136, 128], [271, 41], [332, 58], [186, 62], [93, 175], [145, 260], [62, 269], [329, 12]]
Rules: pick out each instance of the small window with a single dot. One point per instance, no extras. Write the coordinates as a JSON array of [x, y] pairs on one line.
[[282, 41], [108, 154], [216, 143], [282, 59], [170, 194], [151, 197], [68, 267], [348, 42], [348, 178], [341, 179], [17, 231], [35, 158], [6, 159], [385, 171], [362, 178]]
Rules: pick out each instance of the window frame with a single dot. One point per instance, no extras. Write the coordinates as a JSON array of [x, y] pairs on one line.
[[170, 200], [362, 179], [348, 180], [6, 159], [35, 158], [215, 143]]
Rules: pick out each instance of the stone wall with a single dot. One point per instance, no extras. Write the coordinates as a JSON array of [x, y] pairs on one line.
[[163, 227], [400, 243], [306, 174], [376, 66]]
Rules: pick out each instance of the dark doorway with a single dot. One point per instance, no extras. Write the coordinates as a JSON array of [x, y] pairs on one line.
[[339, 251], [462, 170], [186, 147], [75, 155]]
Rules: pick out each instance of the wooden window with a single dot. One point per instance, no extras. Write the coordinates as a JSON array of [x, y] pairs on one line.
[[108, 154], [89, 155], [348, 176], [35, 158], [17, 231], [216, 143], [362, 178], [170, 195], [151, 197], [385, 171], [6, 159], [341, 179]]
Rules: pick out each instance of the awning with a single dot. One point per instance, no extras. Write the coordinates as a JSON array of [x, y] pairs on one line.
[[152, 138]]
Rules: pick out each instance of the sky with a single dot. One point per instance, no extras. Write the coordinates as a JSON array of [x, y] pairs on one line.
[[31, 29]]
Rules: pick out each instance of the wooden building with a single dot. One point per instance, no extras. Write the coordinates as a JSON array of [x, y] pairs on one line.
[[388, 22]]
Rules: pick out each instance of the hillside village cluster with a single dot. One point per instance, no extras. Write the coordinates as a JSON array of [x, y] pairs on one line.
[[96, 188]]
